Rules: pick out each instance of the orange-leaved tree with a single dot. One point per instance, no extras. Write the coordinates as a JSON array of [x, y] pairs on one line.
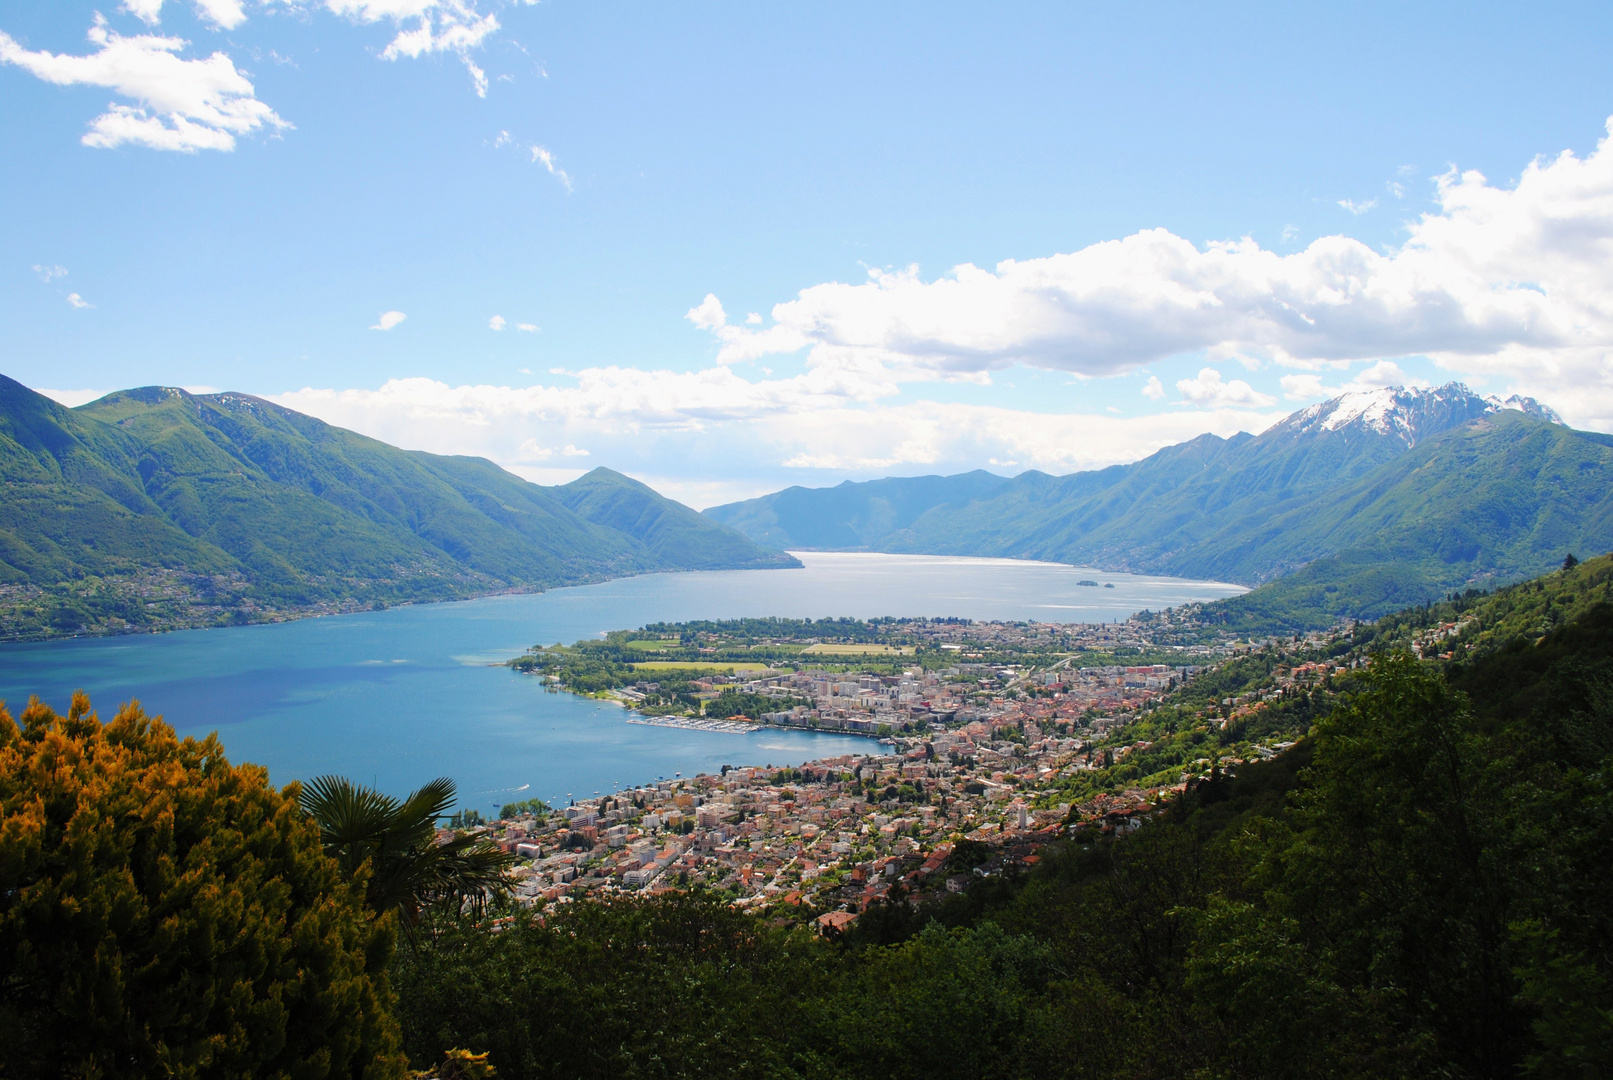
[[166, 913]]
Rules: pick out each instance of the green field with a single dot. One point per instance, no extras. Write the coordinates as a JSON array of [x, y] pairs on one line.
[[642, 645], [695, 665], [858, 650]]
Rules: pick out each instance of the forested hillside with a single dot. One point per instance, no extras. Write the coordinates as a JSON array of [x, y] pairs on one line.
[[1353, 508], [156, 507], [1420, 887]]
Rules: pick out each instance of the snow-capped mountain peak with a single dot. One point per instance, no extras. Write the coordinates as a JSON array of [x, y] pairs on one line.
[[1409, 414]]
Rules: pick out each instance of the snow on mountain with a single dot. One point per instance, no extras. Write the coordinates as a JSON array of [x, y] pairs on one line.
[[1408, 414]]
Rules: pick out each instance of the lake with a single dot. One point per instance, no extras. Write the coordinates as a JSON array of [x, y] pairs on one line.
[[395, 698]]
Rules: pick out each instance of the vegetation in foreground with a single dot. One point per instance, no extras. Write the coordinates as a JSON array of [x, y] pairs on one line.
[[1423, 886]]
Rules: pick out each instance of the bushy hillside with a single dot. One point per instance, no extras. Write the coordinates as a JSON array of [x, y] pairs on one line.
[[156, 505], [1420, 886]]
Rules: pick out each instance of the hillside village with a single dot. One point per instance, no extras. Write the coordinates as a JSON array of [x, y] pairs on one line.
[[1003, 734]]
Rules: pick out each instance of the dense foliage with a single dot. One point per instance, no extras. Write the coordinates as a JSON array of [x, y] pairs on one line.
[[1423, 886], [164, 913], [395, 842]]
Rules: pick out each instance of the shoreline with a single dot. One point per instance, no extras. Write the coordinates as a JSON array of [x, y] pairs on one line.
[[215, 618]]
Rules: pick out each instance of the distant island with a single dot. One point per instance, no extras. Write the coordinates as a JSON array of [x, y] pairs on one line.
[[157, 509]]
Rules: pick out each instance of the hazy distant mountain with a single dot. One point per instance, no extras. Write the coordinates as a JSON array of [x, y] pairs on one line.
[[1448, 486], [852, 515], [247, 506]]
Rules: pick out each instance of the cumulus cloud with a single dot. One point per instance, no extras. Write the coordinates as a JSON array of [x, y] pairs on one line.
[[1208, 389], [47, 274], [1358, 208], [527, 328], [765, 433], [708, 314], [184, 105], [496, 322], [1511, 281], [1153, 390], [1308, 387], [147, 11], [78, 301], [388, 320]]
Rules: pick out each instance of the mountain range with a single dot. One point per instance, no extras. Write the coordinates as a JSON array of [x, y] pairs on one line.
[[155, 507], [1354, 507]]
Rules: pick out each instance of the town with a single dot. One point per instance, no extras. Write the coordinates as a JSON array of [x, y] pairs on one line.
[[988, 740]]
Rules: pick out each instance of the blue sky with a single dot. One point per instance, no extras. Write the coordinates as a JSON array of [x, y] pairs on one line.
[[234, 193]]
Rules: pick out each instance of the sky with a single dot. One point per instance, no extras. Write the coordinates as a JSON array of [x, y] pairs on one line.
[[728, 248]]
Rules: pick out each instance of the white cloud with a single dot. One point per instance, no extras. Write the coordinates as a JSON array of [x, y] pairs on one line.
[[708, 315], [539, 154], [78, 301], [1358, 208], [496, 322], [526, 327], [1304, 387], [1208, 389], [224, 14], [1153, 390], [72, 398], [388, 320], [1308, 387], [423, 26], [754, 319], [766, 433], [1511, 282], [147, 11], [184, 105], [478, 77], [47, 274]]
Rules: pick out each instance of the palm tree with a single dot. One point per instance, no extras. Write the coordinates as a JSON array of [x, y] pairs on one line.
[[409, 869]]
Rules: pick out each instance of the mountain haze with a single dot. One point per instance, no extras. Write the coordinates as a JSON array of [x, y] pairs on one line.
[[1375, 500], [132, 509]]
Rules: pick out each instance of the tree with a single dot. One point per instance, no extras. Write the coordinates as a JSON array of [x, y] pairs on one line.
[[166, 913], [408, 868]]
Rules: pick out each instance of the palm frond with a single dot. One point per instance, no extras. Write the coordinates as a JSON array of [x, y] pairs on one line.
[[398, 841]]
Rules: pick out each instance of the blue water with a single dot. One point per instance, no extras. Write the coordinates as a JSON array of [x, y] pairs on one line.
[[395, 698]]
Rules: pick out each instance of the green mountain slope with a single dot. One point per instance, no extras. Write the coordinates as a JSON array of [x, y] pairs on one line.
[[1499, 499], [852, 515], [1355, 507], [123, 511], [671, 533]]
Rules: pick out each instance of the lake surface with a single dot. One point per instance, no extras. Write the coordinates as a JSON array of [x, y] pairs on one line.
[[395, 698]]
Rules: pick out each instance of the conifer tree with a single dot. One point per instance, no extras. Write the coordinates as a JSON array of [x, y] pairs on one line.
[[166, 913]]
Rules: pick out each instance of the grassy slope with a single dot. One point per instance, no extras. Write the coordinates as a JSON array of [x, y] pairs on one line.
[[673, 534], [294, 511], [74, 500]]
